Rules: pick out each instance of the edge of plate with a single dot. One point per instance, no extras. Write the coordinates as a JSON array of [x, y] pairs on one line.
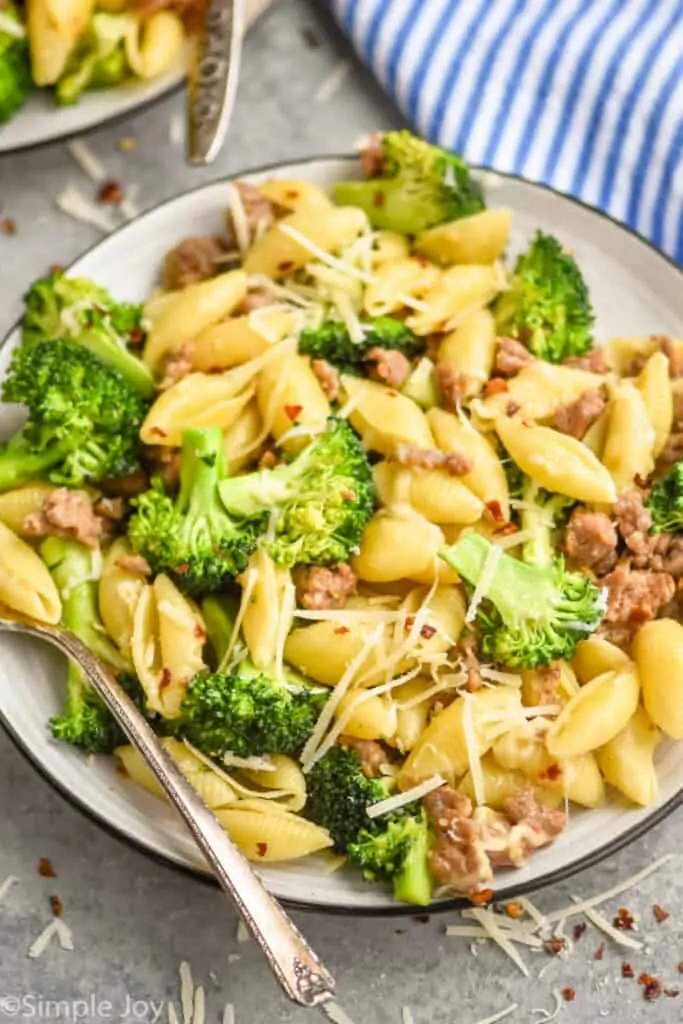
[[553, 877]]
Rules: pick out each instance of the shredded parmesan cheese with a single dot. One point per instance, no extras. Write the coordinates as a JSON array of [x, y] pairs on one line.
[[308, 755], [549, 1015], [89, 163], [55, 928], [64, 935], [199, 1010], [490, 925], [229, 1014], [398, 800], [583, 905], [186, 991], [349, 317], [239, 218], [407, 1016], [603, 924], [7, 885], [493, 675], [266, 794], [10, 27], [498, 1016], [256, 764], [326, 257], [172, 1014], [485, 580], [250, 580], [334, 1012], [333, 83], [76, 205], [285, 617], [243, 934], [472, 748]]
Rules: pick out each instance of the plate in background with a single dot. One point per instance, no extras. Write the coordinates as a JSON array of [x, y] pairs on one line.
[[41, 121], [635, 290]]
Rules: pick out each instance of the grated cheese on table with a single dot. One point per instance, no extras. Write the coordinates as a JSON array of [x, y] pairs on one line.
[[498, 1016], [490, 925], [331, 85], [199, 1007], [334, 1012], [186, 991], [617, 936], [229, 1014], [7, 885], [582, 906], [548, 1015], [172, 1013], [55, 928], [87, 160], [76, 205]]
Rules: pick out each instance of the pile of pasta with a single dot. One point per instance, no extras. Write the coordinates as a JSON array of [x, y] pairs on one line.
[[393, 655]]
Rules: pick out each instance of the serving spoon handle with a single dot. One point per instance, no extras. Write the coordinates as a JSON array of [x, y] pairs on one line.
[[300, 973]]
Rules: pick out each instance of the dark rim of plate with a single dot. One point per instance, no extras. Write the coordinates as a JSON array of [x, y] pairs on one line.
[[649, 820]]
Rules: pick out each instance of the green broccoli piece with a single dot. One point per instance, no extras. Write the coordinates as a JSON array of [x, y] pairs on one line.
[[16, 83], [84, 722], [547, 306], [219, 612], [84, 419], [192, 537], [99, 61], [542, 515], [420, 186], [391, 848], [397, 852], [249, 712], [323, 499], [77, 310], [531, 614], [666, 502], [332, 342], [339, 794]]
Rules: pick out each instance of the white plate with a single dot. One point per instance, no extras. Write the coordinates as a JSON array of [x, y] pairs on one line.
[[41, 122], [636, 291]]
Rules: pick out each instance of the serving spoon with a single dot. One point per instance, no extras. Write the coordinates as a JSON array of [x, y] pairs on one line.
[[300, 973]]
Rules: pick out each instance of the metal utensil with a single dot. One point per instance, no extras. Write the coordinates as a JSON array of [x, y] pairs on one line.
[[212, 80], [299, 971]]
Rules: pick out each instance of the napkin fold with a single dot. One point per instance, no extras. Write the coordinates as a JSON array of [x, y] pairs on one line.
[[583, 95]]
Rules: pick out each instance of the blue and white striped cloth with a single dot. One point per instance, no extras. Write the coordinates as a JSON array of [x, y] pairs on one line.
[[584, 95]]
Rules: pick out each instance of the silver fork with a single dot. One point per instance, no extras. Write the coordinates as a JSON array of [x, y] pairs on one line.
[[300, 973]]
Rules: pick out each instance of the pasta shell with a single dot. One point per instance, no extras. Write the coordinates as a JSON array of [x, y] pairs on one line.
[[16, 505], [26, 585], [595, 715], [627, 761], [480, 238], [268, 835], [630, 442]]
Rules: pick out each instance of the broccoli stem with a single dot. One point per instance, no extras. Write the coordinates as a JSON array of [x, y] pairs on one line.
[[202, 466], [384, 201], [413, 883], [116, 356], [70, 564], [219, 613]]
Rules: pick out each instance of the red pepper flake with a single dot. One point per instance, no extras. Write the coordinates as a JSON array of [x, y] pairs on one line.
[[680, 967], [495, 386], [555, 946], [579, 931], [624, 920], [672, 992], [158, 431], [660, 913], [512, 407], [600, 951], [8, 226], [55, 268], [514, 910], [262, 849], [165, 678], [495, 511], [627, 970], [409, 623], [641, 481], [652, 987], [199, 633], [136, 336], [292, 193], [56, 905], [551, 774], [111, 192], [293, 411], [640, 614], [569, 995], [427, 632], [342, 630], [182, 568], [348, 495], [482, 897], [285, 265], [506, 529], [378, 199], [45, 869], [120, 769]]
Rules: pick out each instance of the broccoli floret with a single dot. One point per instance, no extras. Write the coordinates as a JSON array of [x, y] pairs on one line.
[[249, 712], [324, 498], [420, 186], [666, 502], [15, 69], [84, 419], [332, 342], [84, 722], [531, 614], [75, 309], [192, 537], [99, 60], [547, 306], [339, 794], [391, 848], [398, 853], [543, 513]]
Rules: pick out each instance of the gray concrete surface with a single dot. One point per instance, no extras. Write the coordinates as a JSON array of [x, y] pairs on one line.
[[134, 921]]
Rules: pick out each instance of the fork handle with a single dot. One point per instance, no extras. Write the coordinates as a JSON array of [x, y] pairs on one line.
[[300, 973]]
